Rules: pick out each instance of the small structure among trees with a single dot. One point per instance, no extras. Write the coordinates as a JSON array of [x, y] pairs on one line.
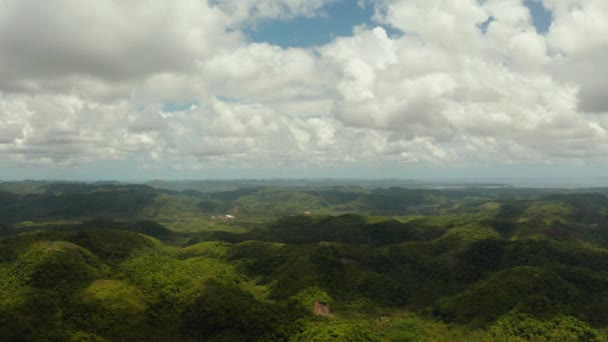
[[223, 218]]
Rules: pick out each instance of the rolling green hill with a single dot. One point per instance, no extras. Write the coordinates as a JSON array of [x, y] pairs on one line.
[[119, 262]]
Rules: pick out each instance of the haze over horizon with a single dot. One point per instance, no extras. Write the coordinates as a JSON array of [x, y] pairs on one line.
[[199, 89]]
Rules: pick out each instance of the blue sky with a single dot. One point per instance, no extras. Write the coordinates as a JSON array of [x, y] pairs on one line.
[[440, 100], [540, 15], [339, 19]]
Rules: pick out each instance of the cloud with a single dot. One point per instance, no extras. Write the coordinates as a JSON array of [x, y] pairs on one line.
[[87, 81], [109, 40], [265, 72], [579, 37], [249, 11], [447, 80]]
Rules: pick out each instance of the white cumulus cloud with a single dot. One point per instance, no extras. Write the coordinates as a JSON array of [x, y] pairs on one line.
[[91, 81]]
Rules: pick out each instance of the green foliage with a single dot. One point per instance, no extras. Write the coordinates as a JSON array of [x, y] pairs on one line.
[[108, 244], [7, 254], [595, 308], [111, 245], [485, 254], [333, 330], [81, 336], [214, 206], [559, 328], [27, 313], [348, 229], [305, 300], [530, 289], [56, 265], [405, 330], [169, 284], [452, 265], [469, 232], [73, 201], [111, 308], [211, 249], [224, 311]]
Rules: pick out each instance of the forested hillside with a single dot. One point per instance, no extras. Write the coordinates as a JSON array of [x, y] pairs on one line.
[[99, 262]]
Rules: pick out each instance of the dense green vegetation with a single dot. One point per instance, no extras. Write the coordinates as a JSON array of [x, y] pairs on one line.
[[109, 261]]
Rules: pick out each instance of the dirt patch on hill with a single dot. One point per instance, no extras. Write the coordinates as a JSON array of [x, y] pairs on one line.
[[321, 309]]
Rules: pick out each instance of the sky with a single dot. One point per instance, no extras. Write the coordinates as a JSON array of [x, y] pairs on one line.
[[195, 89]]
